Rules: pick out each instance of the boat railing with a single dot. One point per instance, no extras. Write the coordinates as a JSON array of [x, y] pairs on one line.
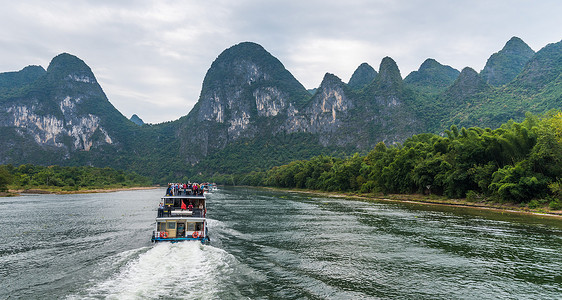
[[182, 192], [186, 234], [171, 212]]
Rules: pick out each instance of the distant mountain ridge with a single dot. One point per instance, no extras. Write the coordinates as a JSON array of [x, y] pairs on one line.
[[253, 114], [13, 80], [363, 75], [503, 66], [432, 76], [137, 120]]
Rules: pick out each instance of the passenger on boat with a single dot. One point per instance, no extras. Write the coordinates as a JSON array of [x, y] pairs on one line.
[[161, 210], [190, 207]]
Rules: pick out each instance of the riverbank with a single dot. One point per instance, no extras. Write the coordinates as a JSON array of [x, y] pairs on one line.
[[7, 194], [17, 192], [435, 200]]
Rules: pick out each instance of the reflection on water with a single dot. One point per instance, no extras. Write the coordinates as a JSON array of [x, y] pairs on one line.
[[274, 245]]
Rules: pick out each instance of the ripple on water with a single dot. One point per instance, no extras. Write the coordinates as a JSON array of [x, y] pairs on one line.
[[274, 245]]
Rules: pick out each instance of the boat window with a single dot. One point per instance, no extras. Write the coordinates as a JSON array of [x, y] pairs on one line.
[[171, 225], [190, 226], [169, 201], [161, 226]]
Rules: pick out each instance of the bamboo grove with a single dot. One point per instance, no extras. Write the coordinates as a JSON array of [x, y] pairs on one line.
[[517, 163]]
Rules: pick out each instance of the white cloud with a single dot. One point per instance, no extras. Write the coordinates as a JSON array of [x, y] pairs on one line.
[[151, 56], [337, 56]]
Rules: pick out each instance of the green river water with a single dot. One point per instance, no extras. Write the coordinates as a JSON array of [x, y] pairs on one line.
[[274, 245]]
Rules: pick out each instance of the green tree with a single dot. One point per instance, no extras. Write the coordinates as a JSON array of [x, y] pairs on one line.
[[5, 178]]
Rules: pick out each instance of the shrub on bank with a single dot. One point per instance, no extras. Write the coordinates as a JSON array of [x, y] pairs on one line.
[[516, 163]]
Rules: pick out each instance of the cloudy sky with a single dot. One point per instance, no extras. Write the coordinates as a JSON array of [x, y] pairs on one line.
[[150, 57]]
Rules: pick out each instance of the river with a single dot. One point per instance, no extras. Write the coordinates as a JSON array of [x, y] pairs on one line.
[[274, 245]]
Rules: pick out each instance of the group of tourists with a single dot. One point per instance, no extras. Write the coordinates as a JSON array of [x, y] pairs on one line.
[[177, 189], [196, 207]]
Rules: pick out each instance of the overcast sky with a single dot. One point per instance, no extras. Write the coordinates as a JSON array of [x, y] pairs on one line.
[[150, 57]]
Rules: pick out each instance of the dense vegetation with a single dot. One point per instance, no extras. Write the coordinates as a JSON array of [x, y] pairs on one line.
[[518, 162], [432, 77], [5, 179], [503, 66], [66, 178], [380, 107], [249, 155]]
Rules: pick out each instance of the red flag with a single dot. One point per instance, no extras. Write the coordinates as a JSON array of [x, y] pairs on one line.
[[183, 205]]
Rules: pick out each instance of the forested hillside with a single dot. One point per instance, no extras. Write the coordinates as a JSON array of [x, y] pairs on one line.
[[518, 162], [253, 114]]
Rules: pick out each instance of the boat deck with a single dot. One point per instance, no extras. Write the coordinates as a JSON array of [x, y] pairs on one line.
[[195, 213], [184, 196]]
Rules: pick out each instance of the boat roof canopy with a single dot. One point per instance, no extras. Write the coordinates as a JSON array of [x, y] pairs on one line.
[[190, 219], [185, 197]]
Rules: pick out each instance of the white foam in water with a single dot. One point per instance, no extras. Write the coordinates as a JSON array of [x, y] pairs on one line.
[[220, 228], [180, 270]]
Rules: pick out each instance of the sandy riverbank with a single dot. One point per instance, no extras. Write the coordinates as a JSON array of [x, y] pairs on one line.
[[427, 200], [86, 191]]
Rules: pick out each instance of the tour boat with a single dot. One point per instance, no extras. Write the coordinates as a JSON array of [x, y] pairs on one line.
[[182, 217]]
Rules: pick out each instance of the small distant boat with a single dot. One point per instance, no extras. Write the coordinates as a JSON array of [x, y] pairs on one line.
[[182, 216], [209, 187]]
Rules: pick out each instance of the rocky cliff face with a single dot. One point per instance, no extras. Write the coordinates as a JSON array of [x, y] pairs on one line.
[[247, 93], [390, 107], [51, 131], [339, 116], [246, 82], [60, 109], [325, 113]]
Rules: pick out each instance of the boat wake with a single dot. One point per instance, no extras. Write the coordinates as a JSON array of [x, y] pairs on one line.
[[187, 270]]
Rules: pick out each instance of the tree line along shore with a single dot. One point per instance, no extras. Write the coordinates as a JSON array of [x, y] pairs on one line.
[[516, 165], [58, 179]]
